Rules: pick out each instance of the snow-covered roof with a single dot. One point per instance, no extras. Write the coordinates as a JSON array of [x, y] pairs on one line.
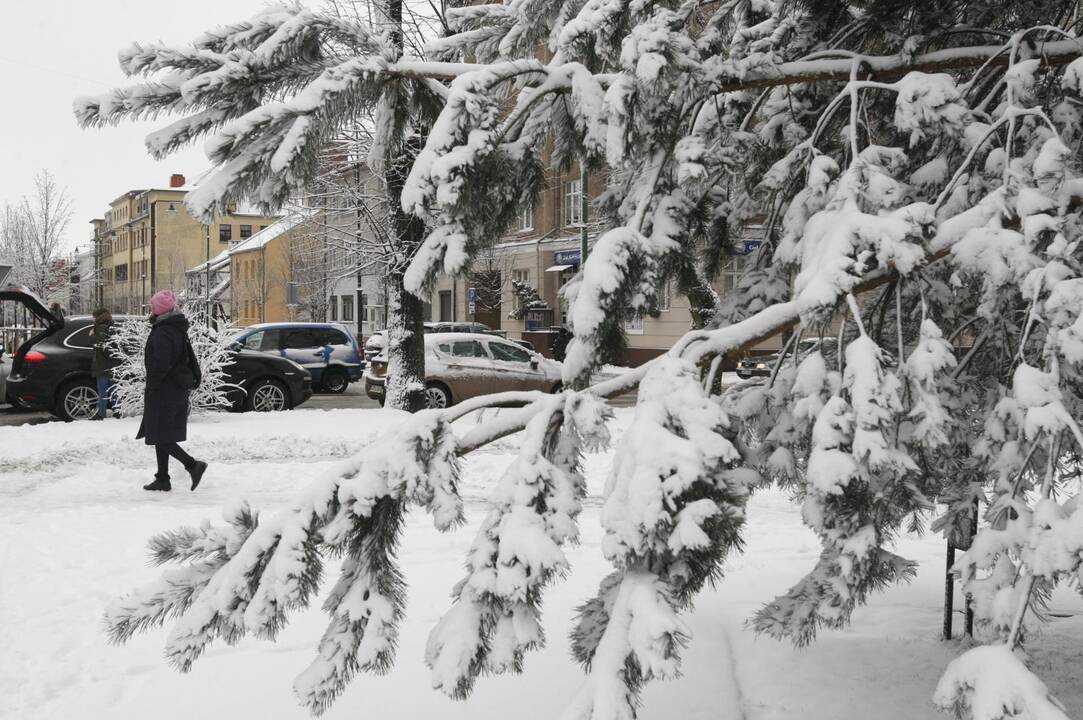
[[272, 231], [217, 262]]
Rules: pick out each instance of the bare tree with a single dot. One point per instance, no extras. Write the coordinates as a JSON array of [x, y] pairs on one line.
[[32, 235]]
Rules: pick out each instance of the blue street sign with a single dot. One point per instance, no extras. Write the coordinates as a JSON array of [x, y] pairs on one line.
[[567, 257], [472, 295]]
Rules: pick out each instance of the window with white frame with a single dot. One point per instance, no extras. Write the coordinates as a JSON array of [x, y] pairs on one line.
[[732, 269], [519, 276], [526, 216], [573, 202]]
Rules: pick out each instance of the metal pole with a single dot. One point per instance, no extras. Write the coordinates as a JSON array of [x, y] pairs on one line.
[[584, 211], [207, 289], [949, 592]]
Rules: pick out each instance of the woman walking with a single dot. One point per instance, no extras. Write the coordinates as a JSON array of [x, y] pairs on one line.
[[170, 377]]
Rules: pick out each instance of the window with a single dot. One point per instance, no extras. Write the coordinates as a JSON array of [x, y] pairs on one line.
[[300, 339], [732, 269], [347, 307], [121, 273], [334, 307], [81, 338], [573, 201], [526, 216], [508, 352], [225, 233], [262, 227], [263, 340], [467, 348], [330, 336], [246, 231]]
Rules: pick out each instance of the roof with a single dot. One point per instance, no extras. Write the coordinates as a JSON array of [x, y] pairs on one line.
[[217, 262], [272, 231]]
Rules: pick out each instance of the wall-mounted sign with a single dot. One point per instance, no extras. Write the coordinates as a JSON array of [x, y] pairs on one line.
[[471, 300], [567, 257]]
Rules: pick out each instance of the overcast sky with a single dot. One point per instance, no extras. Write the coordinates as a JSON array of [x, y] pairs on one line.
[[54, 50]]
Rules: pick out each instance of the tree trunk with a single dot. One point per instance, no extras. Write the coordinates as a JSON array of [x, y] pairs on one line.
[[406, 348], [405, 388]]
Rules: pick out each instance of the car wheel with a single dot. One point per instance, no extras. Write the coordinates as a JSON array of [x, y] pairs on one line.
[[437, 396], [266, 395], [334, 381], [559, 387], [77, 400]]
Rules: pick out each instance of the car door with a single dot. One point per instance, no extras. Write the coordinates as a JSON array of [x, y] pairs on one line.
[[303, 346], [516, 367], [343, 351], [468, 369]]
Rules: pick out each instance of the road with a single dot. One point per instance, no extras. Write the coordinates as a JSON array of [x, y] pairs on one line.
[[354, 397]]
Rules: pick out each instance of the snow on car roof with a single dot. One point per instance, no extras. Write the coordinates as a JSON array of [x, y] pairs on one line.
[[434, 338]]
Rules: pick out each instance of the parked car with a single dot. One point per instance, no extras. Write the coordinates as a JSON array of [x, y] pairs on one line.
[[459, 366], [51, 370], [375, 345], [764, 365], [327, 350]]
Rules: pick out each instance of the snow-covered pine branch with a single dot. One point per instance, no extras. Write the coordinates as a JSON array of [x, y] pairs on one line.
[[881, 147]]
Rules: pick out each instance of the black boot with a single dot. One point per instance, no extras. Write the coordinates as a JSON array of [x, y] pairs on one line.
[[159, 484], [196, 472]]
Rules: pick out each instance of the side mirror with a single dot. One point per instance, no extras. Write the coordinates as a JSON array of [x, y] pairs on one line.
[[236, 346], [534, 363]]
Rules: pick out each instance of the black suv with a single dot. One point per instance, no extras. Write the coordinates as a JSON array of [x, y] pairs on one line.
[[51, 370]]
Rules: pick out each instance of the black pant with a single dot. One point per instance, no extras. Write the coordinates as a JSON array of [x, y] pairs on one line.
[[164, 451]]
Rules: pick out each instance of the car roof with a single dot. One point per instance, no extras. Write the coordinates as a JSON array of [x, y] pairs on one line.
[[451, 337], [280, 325]]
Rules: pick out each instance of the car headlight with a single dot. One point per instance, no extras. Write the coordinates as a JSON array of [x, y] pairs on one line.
[[761, 366]]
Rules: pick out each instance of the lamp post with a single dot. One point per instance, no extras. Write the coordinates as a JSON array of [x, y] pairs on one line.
[[207, 289]]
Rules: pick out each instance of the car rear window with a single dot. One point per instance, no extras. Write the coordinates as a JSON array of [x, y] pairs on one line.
[[80, 338], [330, 336]]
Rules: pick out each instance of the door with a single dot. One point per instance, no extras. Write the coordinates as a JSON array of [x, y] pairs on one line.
[[468, 369], [342, 349], [445, 306], [304, 347], [515, 368]]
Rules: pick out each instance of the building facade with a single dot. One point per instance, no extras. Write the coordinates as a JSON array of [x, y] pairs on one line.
[[544, 251], [147, 241]]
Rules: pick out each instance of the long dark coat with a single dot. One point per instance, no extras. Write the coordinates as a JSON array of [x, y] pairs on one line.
[[165, 402]]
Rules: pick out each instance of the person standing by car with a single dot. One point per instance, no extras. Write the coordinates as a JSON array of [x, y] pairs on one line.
[[105, 360], [172, 373]]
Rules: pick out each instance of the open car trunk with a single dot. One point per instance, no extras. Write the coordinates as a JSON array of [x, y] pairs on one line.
[[30, 321]]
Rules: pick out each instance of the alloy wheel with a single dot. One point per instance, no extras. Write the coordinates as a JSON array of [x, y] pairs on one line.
[[435, 398], [81, 402], [268, 398]]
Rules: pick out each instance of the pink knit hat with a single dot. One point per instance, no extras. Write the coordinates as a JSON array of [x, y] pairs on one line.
[[162, 302]]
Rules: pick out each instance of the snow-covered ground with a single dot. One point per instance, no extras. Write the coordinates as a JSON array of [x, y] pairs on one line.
[[73, 529]]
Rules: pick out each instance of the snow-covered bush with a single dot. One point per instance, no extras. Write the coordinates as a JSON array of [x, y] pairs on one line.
[[920, 200], [129, 342]]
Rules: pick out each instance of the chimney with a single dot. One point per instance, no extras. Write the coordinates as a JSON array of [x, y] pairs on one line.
[[176, 180]]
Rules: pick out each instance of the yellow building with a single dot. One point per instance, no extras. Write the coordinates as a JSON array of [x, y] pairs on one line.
[[264, 273], [148, 239]]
